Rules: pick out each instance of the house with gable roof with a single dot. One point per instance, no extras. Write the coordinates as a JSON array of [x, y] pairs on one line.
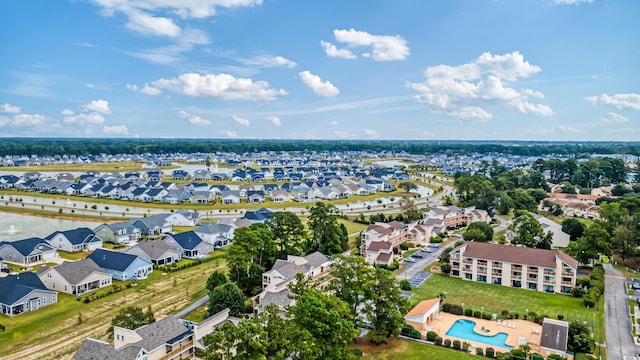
[[183, 218], [74, 277], [218, 235], [27, 252], [153, 225], [122, 266], [189, 244], [24, 292], [156, 251], [80, 239], [379, 253], [423, 314], [118, 233]]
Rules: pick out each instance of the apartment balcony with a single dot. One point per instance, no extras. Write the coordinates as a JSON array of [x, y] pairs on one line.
[[532, 272], [567, 283], [567, 273], [177, 350], [516, 277], [482, 272], [467, 261], [494, 273]]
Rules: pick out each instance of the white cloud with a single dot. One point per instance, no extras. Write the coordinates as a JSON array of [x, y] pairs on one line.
[[4, 121], [269, 61], [567, 128], [275, 120], [613, 117], [383, 47], [100, 106], [222, 86], [90, 86], [465, 90], [115, 130], [28, 119], [6, 108], [241, 121], [67, 112], [332, 51], [571, 2], [172, 53], [340, 134], [553, 130], [334, 123], [228, 133], [143, 15], [371, 133], [193, 119], [319, 87], [84, 118], [619, 101], [146, 89]]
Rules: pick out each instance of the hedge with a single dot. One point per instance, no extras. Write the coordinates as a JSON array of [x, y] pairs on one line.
[[490, 353], [432, 335]]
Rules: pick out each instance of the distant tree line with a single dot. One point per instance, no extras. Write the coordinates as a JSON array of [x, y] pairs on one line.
[[66, 146]]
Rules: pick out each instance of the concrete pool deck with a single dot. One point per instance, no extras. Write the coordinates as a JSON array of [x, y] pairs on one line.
[[523, 330]]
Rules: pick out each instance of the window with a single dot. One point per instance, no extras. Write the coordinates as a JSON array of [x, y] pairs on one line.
[[548, 288], [482, 278], [532, 286], [53, 298], [516, 284], [49, 274], [467, 276], [497, 281], [44, 300]]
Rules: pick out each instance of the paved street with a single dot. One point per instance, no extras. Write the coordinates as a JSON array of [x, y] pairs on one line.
[[620, 344], [420, 264]]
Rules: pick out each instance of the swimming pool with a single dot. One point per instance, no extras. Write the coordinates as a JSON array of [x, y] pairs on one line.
[[463, 329]]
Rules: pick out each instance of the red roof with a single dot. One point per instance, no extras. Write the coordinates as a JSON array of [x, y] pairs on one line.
[[422, 307], [516, 254]]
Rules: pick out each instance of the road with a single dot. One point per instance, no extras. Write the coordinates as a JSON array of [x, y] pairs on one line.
[[420, 264], [620, 344]]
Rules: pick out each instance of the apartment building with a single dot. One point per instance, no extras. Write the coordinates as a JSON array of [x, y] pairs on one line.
[[455, 217], [543, 270]]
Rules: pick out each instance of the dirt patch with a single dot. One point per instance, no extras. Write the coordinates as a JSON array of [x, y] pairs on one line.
[[368, 347]]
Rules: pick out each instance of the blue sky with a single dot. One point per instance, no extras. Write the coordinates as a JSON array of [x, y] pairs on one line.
[[330, 69]]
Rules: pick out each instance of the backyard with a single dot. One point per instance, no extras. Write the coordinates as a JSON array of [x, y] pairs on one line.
[[410, 350]]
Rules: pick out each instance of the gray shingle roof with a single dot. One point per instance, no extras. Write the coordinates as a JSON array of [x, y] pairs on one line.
[[76, 271], [316, 259]]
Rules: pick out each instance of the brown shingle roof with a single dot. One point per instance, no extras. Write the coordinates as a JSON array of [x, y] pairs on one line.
[[516, 254], [380, 245]]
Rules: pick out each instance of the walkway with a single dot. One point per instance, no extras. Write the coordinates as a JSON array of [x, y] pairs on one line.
[[620, 344], [192, 307]]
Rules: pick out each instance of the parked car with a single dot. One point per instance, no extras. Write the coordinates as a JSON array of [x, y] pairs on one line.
[[635, 285], [425, 249], [417, 256], [7, 270]]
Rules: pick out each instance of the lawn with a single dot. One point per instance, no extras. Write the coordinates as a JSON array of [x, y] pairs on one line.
[[57, 330], [411, 350], [495, 298], [73, 256]]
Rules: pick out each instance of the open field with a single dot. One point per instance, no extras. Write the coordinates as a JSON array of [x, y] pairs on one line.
[[496, 298], [101, 167], [55, 331], [410, 350]]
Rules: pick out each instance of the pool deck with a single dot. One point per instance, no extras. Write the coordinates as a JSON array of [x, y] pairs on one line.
[[523, 329]]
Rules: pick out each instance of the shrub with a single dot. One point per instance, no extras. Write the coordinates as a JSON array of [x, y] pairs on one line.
[[357, 352], [487, 316], [504, 313], [468, 312], [477, 314], [404, 246], [405, 285], [537, 357], [435, 240], [455, 309], [516, 316], [577, 291], [560, 317], [446, 307], [490, 353], [582, 281], [479, 351], [447, 343], [589, 301], [437, 341], [465, 346], [456, 344], [432, 335], [415, 334], [406, 330], [394, 266]]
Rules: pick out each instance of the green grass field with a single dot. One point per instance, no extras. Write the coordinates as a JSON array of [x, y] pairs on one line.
[[496, 298], [411, 350]]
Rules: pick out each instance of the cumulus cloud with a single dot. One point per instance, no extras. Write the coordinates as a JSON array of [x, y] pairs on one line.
[[614, 117], [152, 17], [115, 130], [275, 120], [10, 109], [332, 51], [146, 89], [241, 121], [371, 133], [99, 106], [463, 91], [269, 61], [383, 47], [228, 133], [222, 86], [193, 119], [340, 134], [67, 112], [619, 101], [28, 119], [84, 118], [316, 84]]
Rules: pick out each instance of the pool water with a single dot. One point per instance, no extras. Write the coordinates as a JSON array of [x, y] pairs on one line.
[[463, 329]]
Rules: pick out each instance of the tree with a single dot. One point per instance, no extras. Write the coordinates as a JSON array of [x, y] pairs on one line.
[[528, 232], [474, 235], [579, 338], [131, 317], [220, 343], [289, 234], [386, 307], [227, 295], [351, 280], [324, 326], [625, 241], [486, 229], [216, 278], [207, 162], [582, 250], [326, 234], [277, 335], [574, 227], [407, 186]]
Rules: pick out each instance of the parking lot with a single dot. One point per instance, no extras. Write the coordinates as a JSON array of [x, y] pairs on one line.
[[419, 278]]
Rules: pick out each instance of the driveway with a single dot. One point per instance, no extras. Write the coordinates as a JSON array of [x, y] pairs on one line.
[[420, 264], [620, 344]]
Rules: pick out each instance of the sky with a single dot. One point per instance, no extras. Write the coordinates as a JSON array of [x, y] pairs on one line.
[[557, 70]]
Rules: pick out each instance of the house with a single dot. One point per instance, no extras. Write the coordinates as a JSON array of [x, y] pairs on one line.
[[230, 197], [183, 218], [515, 266], [164, 340], [255, 197], [153, 225], [122, 266], [455, 217], [423, 314], [27, 252], [279, 196], [156, 251], [24, 292], [560, 239], [379, 253], [80, 239], [189, 244], [202, 197], [176, 196], [74, 277], [260, 215], [218, 235], [118, 233], [554, 337]]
